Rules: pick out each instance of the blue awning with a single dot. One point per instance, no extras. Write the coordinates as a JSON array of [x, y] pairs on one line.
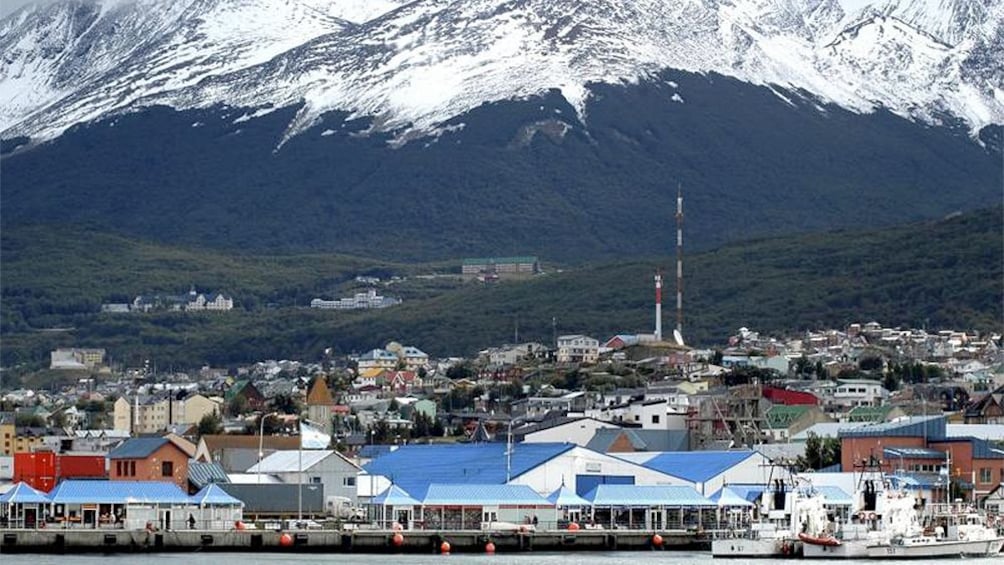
[[565, 497], [22, 493], [646, 496], [213, 495], [726, 496], [118, 492], [395, 496]]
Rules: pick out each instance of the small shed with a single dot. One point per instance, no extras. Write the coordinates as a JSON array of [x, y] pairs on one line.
[[474, 507], [22, 507], [394, 506], [651, 507], [215, 509]]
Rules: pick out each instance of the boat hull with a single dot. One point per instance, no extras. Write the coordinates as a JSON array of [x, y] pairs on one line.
[[845, 550], [942, 549], [968, 548], [750, 548]]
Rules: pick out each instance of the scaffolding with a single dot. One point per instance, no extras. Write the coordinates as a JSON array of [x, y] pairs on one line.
[[733, 419]]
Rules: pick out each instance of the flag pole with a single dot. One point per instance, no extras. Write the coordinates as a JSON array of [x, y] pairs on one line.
[[299, 481]]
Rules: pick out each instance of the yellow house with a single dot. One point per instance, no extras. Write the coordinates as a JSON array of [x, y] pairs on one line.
[[17, 441]]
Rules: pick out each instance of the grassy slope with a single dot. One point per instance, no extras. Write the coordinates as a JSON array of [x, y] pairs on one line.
[[945, 274]]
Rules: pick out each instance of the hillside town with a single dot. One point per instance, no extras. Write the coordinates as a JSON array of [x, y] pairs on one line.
[[367, 437]]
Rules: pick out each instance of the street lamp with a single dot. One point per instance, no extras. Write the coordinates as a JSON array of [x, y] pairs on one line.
[[261, 441]]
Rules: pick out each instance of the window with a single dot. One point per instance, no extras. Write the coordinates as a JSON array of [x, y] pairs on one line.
[[655, 418], [167, 469], [118, 468], [315, 480], [132, 468], [349, 481], [986, 474]]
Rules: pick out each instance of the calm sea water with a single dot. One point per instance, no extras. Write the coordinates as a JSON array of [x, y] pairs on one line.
[[591, 558]]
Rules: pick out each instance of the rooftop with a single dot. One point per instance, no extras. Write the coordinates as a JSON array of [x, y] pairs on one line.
[[696, 466], [416, 467]]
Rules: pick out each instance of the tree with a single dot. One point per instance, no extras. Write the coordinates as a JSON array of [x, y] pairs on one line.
[[285, 404], [819, 453], [210, 424], [890, 382]]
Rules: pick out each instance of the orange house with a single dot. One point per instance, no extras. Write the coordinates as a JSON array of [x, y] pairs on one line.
[[149, 459]]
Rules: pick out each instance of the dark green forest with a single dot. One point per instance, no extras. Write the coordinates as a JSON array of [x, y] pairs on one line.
[[521, 177], [938, 274]]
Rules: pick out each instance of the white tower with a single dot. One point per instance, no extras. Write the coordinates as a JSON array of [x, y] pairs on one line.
[[658, 306]]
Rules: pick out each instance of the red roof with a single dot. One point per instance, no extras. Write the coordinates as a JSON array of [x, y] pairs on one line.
[[790, 397]]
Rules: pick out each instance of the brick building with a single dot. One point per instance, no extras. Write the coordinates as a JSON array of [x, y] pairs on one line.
[[149, 459]]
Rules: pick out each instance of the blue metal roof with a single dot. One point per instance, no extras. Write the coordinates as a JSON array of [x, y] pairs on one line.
[[697, 466], [931, 427], [727, 496], [483, 495], [395, 496], [834, 495], [213, 495], [374, 451], [415, 467], [749, 492], [137, 448], [913, 453], [117, 492], [634, 495], [22, 493], [982, 449], [201, 474], [565, 497]]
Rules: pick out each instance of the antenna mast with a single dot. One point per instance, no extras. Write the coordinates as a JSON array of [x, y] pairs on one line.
[[679, 259], [658, 306]]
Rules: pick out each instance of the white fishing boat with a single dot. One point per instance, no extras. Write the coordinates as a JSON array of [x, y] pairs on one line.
[[784, 509], [890, 527]]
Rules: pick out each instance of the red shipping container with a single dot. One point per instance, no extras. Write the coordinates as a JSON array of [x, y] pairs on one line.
[[80, 467], [36, 469]]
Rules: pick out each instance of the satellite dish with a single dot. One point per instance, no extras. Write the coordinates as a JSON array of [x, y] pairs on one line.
[[678, 337]]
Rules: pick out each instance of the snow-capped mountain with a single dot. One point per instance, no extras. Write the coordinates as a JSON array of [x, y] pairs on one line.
[[414, 65]]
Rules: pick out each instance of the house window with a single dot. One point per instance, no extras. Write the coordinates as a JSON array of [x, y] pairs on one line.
[[315, 480], [349, 481], [167, 469], [655, 418], [132, 468], [986, 474]]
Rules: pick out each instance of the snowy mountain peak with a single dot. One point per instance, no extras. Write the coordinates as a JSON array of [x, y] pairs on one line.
[[416, 64]]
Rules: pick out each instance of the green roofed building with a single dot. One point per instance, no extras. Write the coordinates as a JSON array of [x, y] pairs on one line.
[[784, 421], [500, 267], [874, 414]]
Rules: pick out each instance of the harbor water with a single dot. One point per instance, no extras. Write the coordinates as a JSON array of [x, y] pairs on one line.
[[592, 558]]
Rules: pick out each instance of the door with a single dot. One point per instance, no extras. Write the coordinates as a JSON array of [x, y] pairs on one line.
[[404, 518], [90, 518], [165, 520], [657, 519], [30, 517]]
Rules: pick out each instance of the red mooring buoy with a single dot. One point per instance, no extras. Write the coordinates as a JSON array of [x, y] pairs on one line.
[[444, 548], [489, 547], [285, 540], [657, 540], [397, 540]]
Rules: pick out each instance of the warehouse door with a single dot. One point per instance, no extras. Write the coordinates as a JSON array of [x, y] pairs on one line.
[[585, 483]]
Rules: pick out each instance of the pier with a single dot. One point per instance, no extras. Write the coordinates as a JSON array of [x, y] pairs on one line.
[[337, 541]]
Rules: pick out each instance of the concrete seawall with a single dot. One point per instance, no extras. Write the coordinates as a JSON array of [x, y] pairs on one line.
[[324, 541]]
